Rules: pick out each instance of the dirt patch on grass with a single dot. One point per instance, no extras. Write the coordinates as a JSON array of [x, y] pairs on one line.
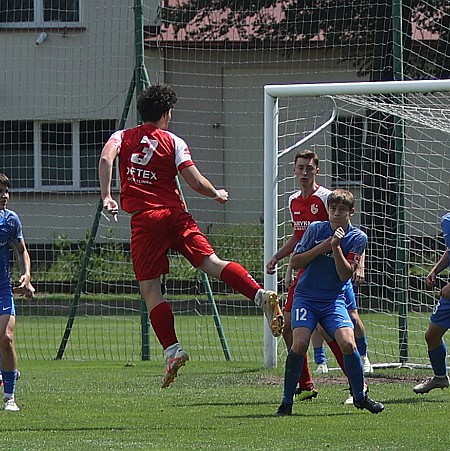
[[342, 380]]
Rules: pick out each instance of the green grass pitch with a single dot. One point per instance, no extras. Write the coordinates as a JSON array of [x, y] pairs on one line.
[[76, 405]]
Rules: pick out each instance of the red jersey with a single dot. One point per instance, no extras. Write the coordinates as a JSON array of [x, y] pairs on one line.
[[306, 210], [149, 160]]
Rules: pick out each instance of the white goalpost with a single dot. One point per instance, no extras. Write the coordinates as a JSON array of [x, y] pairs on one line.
[[388, 142]]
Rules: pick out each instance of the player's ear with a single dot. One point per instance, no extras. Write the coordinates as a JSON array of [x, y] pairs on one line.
[[352, 211]]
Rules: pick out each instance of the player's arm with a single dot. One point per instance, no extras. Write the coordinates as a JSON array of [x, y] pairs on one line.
[[344, 268], [284, 251], [200, 184], [359, 274], [105, 169], [288, 277], [437, 268], [303, 259], [23, 258], [307, 249]]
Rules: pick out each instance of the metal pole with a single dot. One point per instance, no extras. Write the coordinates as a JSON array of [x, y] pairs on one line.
[[401, 276]]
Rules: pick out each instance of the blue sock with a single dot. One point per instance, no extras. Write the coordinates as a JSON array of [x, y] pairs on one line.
[[354, 370], [319, 355], [361, 344], [292, 371], [9, 382], [437, 359]]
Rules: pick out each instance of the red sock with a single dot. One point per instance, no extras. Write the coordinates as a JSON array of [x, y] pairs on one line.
[[163, 324], [338, 354], [305, 380], [239, 278]]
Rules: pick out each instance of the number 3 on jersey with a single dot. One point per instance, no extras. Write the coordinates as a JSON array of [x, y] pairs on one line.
[[144, 156]]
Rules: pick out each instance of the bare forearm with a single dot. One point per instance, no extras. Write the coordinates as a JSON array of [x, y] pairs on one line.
[[24, 263], [105, 175], [441, 264], [286, 249], [343, 267]]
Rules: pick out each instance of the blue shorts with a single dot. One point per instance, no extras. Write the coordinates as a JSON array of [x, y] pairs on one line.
[[7, 306], [331, 315], [441, 313], [350, 297]]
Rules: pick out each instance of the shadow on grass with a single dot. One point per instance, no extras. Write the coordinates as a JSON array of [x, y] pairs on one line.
[[272, 415]]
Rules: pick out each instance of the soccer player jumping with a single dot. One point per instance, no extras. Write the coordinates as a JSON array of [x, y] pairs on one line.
[[150, 157]]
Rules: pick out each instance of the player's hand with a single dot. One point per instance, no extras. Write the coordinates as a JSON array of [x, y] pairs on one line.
[[271, 265], [25, 288], [222, 196], [337, 237], [111, 206], [431, 279]]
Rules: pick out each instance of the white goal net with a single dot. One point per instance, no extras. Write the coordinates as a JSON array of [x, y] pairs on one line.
[[388, 143]]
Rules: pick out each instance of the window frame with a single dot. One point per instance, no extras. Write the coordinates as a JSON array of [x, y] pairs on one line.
[[75, 155], [39, 22]]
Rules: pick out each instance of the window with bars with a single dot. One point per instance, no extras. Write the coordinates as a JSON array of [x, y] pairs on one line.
[[53, 156], [40, 13]]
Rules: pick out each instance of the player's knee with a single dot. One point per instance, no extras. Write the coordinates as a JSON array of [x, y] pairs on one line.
[[347, 347], [6, 341], [299, 348]]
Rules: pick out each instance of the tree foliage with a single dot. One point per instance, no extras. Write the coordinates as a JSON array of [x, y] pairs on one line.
[[356, 26]]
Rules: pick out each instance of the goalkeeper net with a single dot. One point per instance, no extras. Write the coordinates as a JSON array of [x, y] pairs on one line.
[[388, 143]]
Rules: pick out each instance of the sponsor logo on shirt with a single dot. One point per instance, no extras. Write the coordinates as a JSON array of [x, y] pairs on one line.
[[301, 225], [142, 176]]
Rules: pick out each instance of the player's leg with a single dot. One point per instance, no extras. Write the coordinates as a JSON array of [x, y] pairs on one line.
[[236, 276], [335, 349], [305, 390], [335, 321], [152, 232], [304, 321], [360, 331], [437, 350], [293, 368], [8, 359], [361, 340], [320, 358], [163, 323], [188, 240]]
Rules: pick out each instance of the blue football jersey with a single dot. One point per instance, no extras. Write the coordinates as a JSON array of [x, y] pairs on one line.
[[320, 281], [445, 226], [10, 232]]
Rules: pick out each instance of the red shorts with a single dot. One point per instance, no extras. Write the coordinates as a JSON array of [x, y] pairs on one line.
[[290, 296], [154, 232]]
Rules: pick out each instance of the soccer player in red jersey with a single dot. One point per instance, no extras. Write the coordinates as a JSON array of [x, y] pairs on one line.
[[150, 157], [308, 205]]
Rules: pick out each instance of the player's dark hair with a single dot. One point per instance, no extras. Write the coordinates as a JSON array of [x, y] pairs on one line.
[[4, 180], [154, 101], [307, 155], [341, 196]]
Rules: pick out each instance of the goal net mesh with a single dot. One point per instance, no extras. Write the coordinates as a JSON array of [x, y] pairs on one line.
[[392, 152]]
